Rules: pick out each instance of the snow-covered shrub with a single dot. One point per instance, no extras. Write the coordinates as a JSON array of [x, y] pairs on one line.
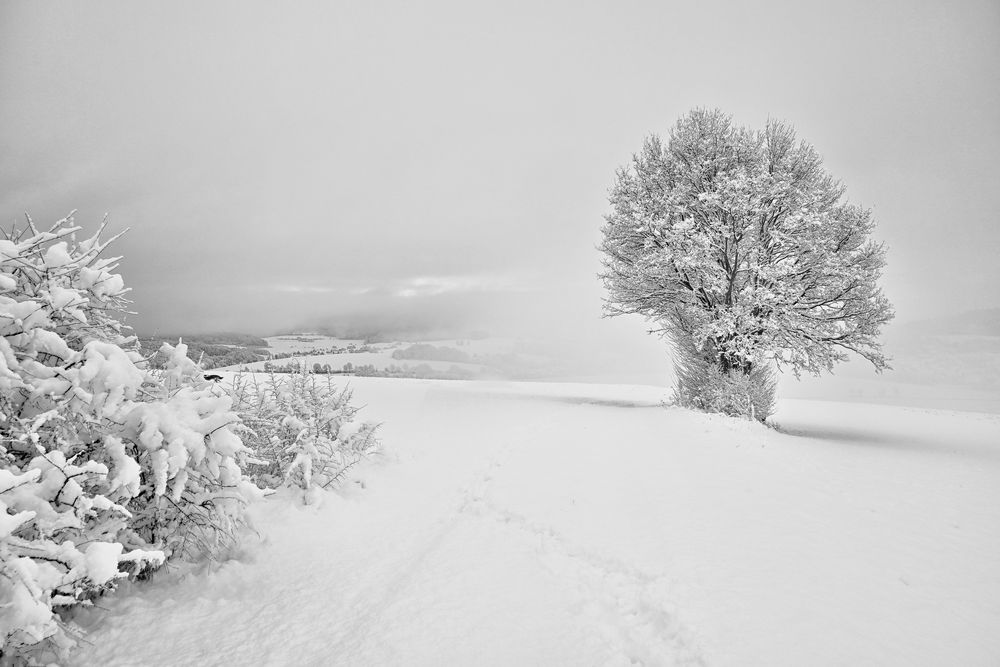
[[106, 468], [193, 503], [302, 428], [747, 391]]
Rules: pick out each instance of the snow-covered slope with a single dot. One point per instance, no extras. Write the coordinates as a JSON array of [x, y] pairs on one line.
[[306, 342], [553, 524]]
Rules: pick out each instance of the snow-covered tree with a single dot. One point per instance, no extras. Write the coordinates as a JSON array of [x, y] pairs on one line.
[[106, 467], [742, 248]]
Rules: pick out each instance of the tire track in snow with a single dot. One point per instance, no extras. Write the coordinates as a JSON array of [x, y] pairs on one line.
[[631, 610]]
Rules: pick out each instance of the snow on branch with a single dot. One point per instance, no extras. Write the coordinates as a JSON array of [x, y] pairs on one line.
[[106, 467]]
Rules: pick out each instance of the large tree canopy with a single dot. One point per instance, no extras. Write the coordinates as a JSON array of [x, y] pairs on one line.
[[742, 247]]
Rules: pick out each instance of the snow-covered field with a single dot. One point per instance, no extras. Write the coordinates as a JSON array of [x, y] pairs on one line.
[[299, 343], [560, 524]]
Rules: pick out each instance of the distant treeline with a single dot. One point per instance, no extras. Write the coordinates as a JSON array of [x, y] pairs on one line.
[[421, 371], [315, 352], [213, 350], [226, 338]]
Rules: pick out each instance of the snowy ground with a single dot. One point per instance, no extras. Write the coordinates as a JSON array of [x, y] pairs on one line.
[[546, 524]]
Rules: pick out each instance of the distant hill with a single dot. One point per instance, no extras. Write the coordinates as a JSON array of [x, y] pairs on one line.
[[212, 350], [960, 350], [984, 322], [220, 338]]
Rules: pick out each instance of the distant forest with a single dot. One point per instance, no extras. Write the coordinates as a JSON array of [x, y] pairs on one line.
[[213, 350]]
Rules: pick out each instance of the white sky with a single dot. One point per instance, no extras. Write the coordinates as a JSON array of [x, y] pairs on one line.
[[448, 163]]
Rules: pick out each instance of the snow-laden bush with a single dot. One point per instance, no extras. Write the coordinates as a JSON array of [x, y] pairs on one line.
[[746, 392], [107, 469], [302, 427]]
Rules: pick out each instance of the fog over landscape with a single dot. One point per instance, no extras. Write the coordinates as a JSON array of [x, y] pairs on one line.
[[444, 166]]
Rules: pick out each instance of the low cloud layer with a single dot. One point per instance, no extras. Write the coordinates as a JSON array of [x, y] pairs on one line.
[[447, 165]]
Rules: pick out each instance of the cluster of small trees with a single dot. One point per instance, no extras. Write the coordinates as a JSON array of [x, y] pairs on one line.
[[110, 467], [297, 365], [739, 245]]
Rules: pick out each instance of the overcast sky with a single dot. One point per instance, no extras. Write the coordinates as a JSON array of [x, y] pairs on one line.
[[448, 163]]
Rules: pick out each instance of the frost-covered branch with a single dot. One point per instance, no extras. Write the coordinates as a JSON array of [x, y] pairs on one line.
[[106, 468]]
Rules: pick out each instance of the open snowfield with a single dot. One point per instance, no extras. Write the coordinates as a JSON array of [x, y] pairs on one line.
[[560, 524]]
